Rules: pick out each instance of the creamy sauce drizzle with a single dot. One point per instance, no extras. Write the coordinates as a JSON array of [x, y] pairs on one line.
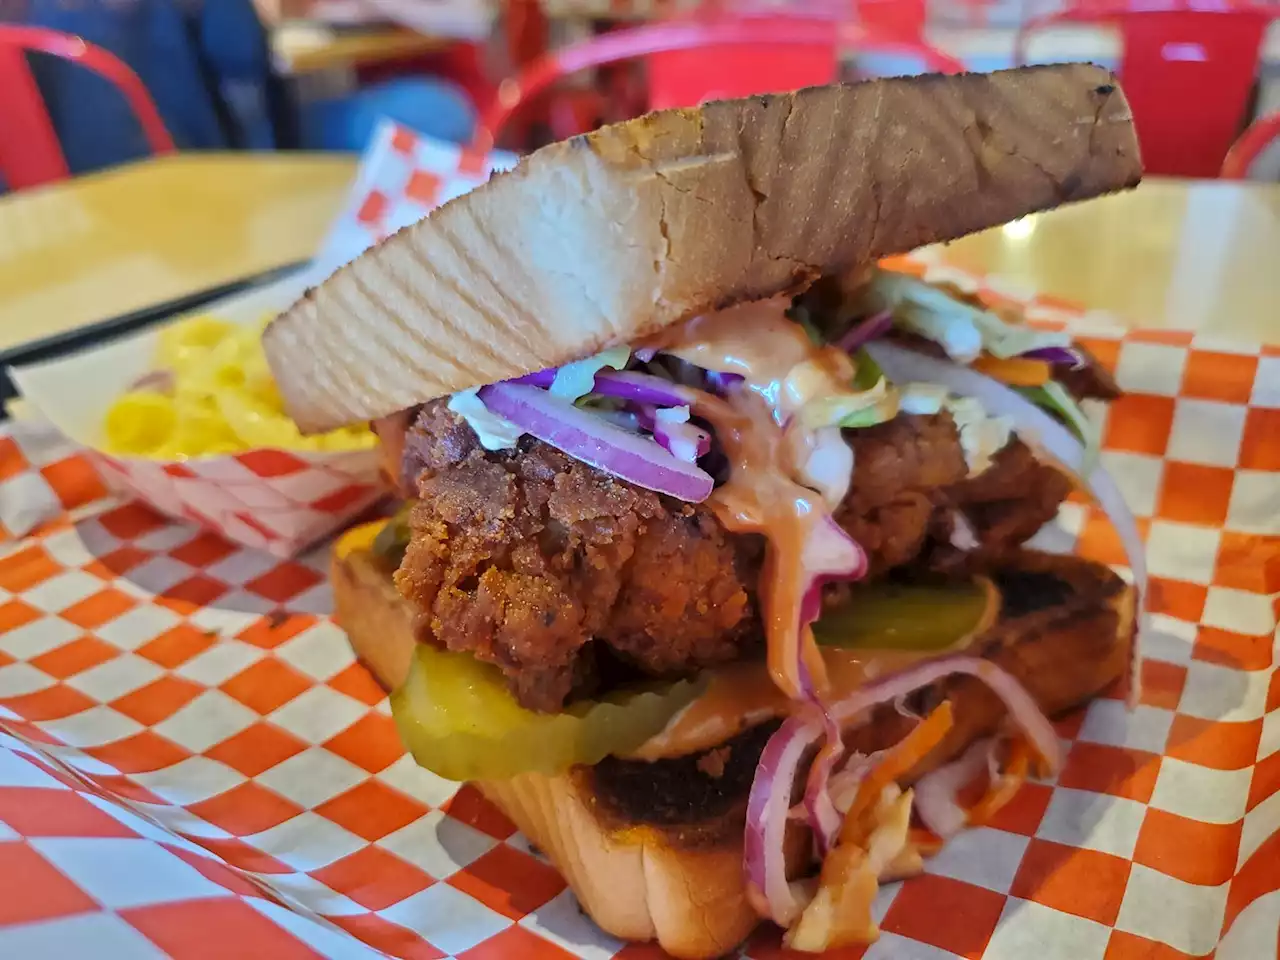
[[744, 694], [756, 426]]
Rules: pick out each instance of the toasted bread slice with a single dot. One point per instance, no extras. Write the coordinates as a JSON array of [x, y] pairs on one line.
[[611, 236], [653, 850]]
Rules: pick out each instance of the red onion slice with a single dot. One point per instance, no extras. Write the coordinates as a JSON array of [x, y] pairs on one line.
[[764, 857], [824, 816], [540, 378], [1022, 708], [624, 384], [1058, 356], [596, 442], [721, 383], [865, 331], [640, 388], [770, 798], [936, 792], [686, 441], [1036, 426]]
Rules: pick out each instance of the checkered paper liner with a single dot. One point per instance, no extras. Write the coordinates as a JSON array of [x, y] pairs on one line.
[[189, 754], [402, 176]]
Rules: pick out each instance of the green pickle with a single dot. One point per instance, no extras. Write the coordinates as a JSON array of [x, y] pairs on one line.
[[393, 539], [459, 720], [892, 616]]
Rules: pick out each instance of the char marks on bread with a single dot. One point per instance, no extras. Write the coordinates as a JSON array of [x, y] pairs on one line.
[[614, 235]]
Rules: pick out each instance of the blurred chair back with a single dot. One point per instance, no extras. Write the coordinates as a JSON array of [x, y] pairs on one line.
[[900, 19], [1188, 75], [1261, 142], [29, 150], [691, 62], [787, 54]]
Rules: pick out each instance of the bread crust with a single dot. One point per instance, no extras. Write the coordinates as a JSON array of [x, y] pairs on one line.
[[654, 850], [611, 236]]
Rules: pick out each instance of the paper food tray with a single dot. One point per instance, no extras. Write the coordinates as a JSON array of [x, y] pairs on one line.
[[279, 501]]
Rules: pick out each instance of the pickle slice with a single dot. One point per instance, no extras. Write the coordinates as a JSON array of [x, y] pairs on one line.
[[459, 720], [924, 617], [393, 539]]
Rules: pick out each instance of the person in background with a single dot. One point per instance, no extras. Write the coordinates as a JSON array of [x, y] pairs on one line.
[[206, 64]]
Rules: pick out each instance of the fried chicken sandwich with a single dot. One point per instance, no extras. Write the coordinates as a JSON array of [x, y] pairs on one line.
[[712, 571]]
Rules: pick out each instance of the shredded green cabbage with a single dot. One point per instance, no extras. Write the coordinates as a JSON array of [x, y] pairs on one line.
[[960, 328], [1054, 398], [577, 379]]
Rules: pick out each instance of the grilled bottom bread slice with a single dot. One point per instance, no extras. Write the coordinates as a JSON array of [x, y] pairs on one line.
[[653, 850]]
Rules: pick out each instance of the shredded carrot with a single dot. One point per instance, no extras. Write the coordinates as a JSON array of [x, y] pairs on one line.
[[1004, 787], [1015, 371], [925, 841], [926, 735]]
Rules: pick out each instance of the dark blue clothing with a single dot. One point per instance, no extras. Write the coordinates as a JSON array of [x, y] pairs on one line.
[[206, 64]]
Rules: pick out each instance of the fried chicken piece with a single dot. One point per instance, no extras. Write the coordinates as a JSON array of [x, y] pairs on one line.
[[1012, 499], [900, 471], [909, 478], [524, 558]]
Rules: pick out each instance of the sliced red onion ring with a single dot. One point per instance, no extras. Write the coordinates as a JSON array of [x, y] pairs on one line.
[[936, 792], [764, 856], [1058, 356], [624, 384], [1022, 708], [1034, 425], [722, 383], [640, 387], [684, 440], [865, 331], [830, 554], [824, 817], [586, 437], [540, 378], [770, 798]]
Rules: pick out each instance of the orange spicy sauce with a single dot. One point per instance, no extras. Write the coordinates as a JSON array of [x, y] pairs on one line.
[[744, 694], [783, 369]]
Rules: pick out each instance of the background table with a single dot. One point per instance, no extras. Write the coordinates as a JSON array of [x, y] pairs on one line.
[[307, 48], [1181, 254], [1187, 255], [108, 244]]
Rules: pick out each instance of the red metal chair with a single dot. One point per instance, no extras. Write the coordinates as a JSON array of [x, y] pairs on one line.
[[29, 150], [1188, 74], [1252, 144], [690, 62]]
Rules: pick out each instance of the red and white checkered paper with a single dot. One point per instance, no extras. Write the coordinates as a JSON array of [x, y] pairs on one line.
[[190, 758], [191, 762]]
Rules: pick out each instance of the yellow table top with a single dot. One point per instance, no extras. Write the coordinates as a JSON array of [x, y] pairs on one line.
[[100, 246], [1187, 255]]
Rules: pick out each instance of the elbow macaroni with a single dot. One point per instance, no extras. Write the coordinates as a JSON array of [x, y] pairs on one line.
[[219, 398]]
